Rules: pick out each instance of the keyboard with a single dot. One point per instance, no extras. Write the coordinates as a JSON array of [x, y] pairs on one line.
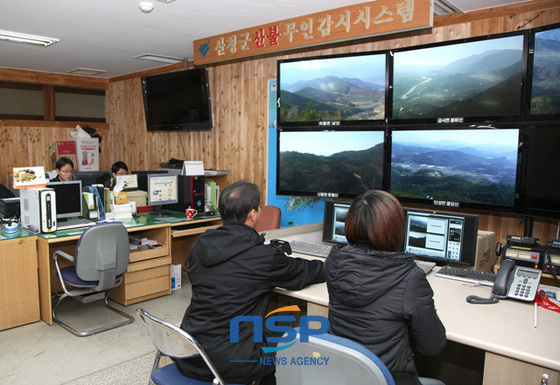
[[74, 223], [466, 275], [425, 265], [309, 248]]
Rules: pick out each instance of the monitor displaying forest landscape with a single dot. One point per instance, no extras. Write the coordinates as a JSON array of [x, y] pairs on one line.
[[456, 168], [545, 90], [456, 82], [332, 91], [330, 164]]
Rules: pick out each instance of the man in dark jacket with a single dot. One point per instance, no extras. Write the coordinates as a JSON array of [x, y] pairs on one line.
[[232, 272]]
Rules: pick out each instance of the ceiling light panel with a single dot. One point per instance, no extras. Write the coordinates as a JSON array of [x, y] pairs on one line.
[[23, 38]]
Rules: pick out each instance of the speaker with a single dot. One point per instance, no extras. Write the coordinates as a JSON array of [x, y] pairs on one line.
[[38, 209], [191, 193]]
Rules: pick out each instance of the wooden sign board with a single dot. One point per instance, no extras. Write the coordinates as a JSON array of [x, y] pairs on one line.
[[346, 23]]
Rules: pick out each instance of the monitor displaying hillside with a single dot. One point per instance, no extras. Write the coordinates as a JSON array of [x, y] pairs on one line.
[[332, 90]]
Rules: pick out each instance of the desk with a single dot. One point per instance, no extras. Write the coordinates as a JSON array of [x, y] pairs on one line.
[[515, 352], [149, 272], [19, 290]]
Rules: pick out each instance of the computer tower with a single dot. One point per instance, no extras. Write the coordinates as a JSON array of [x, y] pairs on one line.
[[191, 193], [38, 209]]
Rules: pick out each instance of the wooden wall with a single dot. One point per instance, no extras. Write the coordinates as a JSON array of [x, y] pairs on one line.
[[238, 141]]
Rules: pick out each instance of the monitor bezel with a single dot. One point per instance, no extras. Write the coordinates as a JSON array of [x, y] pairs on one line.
[[454, 205], [338, 123], [327, 194], [469, 119], [469, 239], [153, 203], [329, 220], [66, 215], [530, 68]]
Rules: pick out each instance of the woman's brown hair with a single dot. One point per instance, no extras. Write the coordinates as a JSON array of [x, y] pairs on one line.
[[376, 217]]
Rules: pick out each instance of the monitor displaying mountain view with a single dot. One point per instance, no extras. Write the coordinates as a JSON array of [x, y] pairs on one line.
[[454, 82], [329, 164], [332, 91], [455, 168], [545, 92]]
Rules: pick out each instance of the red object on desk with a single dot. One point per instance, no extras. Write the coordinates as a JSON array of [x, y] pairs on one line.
[[144, 209], [543, 300]]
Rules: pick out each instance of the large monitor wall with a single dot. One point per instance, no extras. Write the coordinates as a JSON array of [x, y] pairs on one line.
[[466, 124]]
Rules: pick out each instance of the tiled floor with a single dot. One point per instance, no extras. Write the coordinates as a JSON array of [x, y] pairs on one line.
[[39, 354]]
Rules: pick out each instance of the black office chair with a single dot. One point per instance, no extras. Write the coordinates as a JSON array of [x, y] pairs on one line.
[[100, 260]]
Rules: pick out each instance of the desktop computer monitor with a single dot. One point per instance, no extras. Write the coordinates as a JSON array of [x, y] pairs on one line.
[[90, 178], [441, 237], [334, 220], [68, 198], [142, 177], [162, 190]]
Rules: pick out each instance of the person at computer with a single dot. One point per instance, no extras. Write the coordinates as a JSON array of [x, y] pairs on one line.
[[64, 170], [232, 272], [118, 168], [377, 295]]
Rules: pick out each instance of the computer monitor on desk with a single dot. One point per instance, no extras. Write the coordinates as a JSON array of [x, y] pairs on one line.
[[68, 199], [334, 220], [441, 237], [162, 190], [90, 178]]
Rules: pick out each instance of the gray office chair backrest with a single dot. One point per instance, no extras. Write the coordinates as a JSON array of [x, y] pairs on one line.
[[102, 254], [348, 363]]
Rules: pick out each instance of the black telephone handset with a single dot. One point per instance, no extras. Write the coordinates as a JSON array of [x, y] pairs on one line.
[[503, 279], [518, 282]]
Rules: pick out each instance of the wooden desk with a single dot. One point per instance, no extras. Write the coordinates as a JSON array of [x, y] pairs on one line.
[[149, 272], [515, 352], [19, 289]]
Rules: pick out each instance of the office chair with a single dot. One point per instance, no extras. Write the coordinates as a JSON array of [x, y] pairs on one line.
[[348, 363], [172, 341], [269, 219], [100, 259]]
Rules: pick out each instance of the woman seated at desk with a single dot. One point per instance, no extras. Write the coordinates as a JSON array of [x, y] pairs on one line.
[[377, 295]]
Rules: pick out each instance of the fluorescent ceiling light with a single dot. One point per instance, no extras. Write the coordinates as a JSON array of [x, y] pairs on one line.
[[16, 37], [86, 71], [160, 58]]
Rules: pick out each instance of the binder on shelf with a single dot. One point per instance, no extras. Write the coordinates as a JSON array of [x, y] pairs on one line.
[[98, 200]]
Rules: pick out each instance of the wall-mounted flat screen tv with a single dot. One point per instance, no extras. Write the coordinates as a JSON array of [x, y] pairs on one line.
[[545, 79], [460, 82], [456, 168], [331, 91], [177, 101], [329, 164], [541, 167]]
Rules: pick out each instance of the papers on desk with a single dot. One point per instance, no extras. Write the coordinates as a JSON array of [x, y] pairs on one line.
[[169, 219]]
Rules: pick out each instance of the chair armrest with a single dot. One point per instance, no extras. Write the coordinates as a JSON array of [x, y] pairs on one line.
[[63, 254]]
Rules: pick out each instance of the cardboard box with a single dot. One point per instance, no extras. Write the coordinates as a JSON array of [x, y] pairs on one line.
[[87, 154], [138, 196], [175, 277], [65, 148], [485, 251]]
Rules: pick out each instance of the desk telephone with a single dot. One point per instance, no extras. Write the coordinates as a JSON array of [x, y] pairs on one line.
[[512, 281], [518, 282]]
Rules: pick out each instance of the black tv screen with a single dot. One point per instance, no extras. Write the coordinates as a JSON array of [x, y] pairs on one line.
[[541, 168], [329, 164], [332, 90], [456, 168], [177, 101], [460, 82], [545, 80]]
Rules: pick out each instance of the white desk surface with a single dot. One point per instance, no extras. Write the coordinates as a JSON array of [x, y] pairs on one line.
[[506, 328]]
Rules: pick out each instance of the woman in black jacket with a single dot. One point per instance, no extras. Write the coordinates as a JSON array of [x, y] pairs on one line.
[[377, 295]]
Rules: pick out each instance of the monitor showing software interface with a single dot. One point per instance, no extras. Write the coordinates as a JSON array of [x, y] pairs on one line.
[[334, 221], [162, 189], [441, 237]]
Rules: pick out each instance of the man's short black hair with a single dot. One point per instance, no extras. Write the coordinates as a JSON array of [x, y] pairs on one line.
[[237, 200], [63, 161], [118, 165]]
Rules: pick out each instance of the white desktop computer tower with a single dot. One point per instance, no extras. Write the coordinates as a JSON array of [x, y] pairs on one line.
[[38, 209]]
